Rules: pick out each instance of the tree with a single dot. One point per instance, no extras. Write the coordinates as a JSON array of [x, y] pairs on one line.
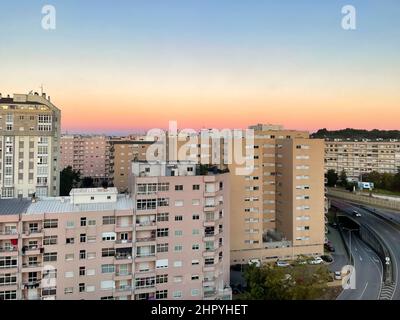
[[87, 182], [332, 178], [68, 179], [396, 181], [301, 281], [343, 179]]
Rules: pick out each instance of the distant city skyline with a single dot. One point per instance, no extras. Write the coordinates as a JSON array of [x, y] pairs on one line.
[[126, 66]]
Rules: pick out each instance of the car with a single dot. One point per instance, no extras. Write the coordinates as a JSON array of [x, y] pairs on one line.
[[317, 260], [338, 275], [356, 213], [327, 258], [282, 264], [329, 247]]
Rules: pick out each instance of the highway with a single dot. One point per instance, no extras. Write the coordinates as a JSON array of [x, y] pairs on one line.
[[389, 234]]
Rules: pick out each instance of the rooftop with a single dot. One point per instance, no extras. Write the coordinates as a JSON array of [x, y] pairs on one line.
[[14, 206], [60, 205]]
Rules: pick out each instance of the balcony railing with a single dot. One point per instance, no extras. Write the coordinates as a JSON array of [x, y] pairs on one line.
[[129, 225], [124, 288], [32, 231], [145, 223], [32, 265], [123, 273], [123, 241], [143, 255], [209, 294], [8, 232], [123, 257], [8, 249], [147, 239]]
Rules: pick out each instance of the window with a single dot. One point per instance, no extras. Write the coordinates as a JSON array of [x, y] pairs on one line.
[[83, 237], [8, 295], [69, 241], [178, 264], [50, 223], [178, 248], [91, 255], [83, 222], [178, 279], [107, 268], [196, 187], [107, 252], [69, 290], [178, 203], [208, 261], [163, 202], [69, 257], [82, 271], [163, 278], [92, 222], [108, 220], [69, 274], [8, 279], [178, 218], [108, 236], [195, 292], [178, 233], [195, 232], [195, 277], [195, 262], [162, 247], [81, 287], [195, 202], [162, 264], [51, 256], [82, 254], [163, 232], [177, 294], [179, 187], [91, 239], [70, 224], [196, 217], [162, 294], [196, 247], [50, 240], [162, 217]]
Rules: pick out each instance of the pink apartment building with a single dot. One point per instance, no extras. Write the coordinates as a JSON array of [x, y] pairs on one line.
[[88, 154], [169, 239]]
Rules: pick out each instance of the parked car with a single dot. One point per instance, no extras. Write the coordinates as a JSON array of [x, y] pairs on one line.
[[338, 275], [329, 247], [356, 213], [316, 260], [282, 264], [327, 258]]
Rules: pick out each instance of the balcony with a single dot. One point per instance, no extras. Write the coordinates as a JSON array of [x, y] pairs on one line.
[[146, 241], [124, 289], [212, 294], [32, 233], [209, 207], [209, 267], [32, 250], [209, 236], [145, 257], [146, 225], [123, 244], [9, 251], [8, 234], [124, 227], [32, 267], [122, 275], [209, 281]]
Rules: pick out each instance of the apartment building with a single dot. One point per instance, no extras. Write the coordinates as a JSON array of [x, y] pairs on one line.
[[191, 240], [29, 146], [277, 212], [98, 244], [88, 154], [360, 157], [121, 153]]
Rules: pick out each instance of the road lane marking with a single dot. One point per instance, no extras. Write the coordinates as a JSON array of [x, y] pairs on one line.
[[362, 293], [360, 258]]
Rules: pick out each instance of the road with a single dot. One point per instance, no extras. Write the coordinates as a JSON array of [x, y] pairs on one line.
[[389, 234], [368, 272]]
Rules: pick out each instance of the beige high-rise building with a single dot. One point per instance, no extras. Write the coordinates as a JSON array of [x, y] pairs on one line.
[[277, 212], [29, 146], [361, 157], [121, 153]]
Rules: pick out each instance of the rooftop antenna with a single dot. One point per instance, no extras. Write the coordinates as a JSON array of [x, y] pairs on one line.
[[41, 89]]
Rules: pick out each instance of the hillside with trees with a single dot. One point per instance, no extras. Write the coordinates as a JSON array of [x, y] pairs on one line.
[[356, 134]]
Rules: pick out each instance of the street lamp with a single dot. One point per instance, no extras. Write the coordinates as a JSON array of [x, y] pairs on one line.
[[350, 230]]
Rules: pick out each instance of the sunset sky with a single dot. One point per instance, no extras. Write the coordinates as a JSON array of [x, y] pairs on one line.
[[121, 66]]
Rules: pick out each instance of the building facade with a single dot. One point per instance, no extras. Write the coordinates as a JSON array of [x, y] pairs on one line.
[[87, 154], [29, 146], [361, 157], [277, 212], [98, 244]]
